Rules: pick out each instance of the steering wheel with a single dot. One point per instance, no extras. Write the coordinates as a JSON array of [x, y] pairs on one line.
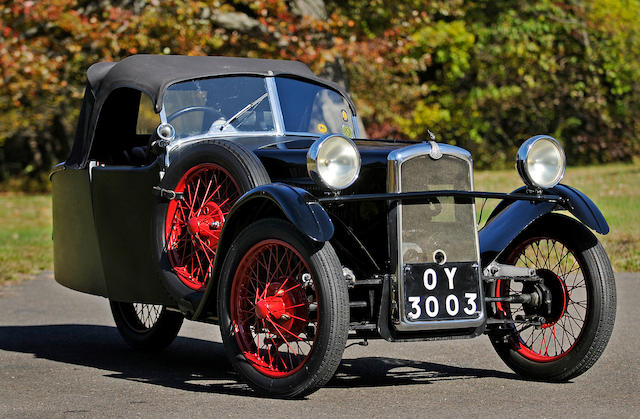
[[206, 109]]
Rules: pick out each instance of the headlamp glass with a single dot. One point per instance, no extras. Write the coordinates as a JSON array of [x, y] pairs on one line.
[[334, 161], [541, 162]]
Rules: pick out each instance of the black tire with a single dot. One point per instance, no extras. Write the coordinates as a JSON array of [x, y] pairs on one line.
[[316, 278], [146, 327], [245, 172], [577, 272]]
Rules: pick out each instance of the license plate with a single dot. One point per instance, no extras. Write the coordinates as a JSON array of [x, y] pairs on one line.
[[441, 292]]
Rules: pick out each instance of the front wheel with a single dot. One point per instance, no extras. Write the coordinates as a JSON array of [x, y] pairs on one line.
[[146, 327], [575, 271], [284, 309]]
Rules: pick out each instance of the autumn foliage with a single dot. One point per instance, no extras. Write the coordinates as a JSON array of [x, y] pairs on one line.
[[483, 75]]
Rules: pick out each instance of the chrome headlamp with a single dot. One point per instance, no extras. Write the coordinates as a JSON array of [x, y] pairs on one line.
[[541, 162], [333, 161]]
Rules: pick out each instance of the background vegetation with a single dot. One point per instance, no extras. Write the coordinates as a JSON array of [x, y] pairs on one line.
[[481, 74]]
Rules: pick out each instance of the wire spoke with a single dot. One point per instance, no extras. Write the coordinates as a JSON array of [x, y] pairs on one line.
[[205, 188], [268, 280], [561, 272]]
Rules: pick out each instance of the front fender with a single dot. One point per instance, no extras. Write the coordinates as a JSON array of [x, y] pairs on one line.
[[582, 208], [272, 200], [296, 204], [510, 217]]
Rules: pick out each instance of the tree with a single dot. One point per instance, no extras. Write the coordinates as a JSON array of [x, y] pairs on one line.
[[483, 75]]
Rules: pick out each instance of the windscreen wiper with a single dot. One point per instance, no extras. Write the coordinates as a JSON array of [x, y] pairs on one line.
[[243, 111]]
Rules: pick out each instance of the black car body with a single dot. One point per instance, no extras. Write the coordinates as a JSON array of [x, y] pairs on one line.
[[258, 163]]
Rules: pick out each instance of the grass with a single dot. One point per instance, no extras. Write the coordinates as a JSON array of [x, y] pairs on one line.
[[25, 235], [25, 220], [613, 188]]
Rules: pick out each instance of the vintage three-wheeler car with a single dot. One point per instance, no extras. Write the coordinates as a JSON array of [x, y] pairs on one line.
[[238, 192]]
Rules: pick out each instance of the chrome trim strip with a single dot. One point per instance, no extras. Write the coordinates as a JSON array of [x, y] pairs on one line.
[[308, 134], [181, 142], [92, 165], [395, 160], [163, 115], [356, 129], [274, 100]]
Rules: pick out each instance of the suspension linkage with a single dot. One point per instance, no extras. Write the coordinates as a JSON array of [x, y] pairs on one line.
[[495, 271], [532, 299]]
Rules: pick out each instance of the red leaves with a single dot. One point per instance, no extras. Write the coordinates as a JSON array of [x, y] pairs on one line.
[[46, 47]]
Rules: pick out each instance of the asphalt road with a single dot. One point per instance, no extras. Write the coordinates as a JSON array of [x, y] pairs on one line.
[[61, 356]]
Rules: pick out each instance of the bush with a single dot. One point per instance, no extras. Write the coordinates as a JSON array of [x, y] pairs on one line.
[[483, 75]]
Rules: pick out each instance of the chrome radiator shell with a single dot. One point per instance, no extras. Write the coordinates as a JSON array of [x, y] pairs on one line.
[[432, 162]]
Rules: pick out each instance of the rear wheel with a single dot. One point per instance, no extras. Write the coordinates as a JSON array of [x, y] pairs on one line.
[[284, 310], [194, 223], [146, 326], [209, 177], [576, 273]]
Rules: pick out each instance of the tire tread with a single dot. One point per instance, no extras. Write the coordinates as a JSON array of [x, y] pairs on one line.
[[595, 260]]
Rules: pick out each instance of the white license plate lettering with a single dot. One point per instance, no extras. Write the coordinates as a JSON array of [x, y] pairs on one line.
[[430, 279], [471, 302], [441, 292], [452, 304], [431, 306], [415, 306], [451, 273]]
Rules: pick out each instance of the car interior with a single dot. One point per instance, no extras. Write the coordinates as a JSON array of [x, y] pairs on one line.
[[127, 121]]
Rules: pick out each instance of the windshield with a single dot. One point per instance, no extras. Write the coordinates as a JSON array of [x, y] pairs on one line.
[[218, 105], [308, 107]]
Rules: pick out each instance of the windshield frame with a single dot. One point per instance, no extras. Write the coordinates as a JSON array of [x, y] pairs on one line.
[[278, 117]]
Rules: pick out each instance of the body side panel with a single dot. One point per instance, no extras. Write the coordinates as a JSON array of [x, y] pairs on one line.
[[77, 258], [123, 203]]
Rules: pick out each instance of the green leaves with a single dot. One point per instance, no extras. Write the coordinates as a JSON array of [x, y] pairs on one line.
[[507, 71], [481, 74]]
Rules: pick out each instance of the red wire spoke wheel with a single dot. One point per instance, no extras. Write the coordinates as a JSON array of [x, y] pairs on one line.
[[283, 309], [194, 223], [274, 308], [567, 339], [562, 274]]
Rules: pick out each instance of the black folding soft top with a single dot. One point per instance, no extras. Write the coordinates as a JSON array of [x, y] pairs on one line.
[[152, 74]]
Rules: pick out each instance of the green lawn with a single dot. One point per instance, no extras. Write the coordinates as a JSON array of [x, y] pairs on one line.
[[25, 220], [25, 235]]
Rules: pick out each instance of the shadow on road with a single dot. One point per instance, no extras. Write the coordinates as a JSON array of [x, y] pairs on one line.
[[382, 371], [201, 366]]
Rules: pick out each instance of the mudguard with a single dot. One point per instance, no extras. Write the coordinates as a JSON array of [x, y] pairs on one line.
[[510, 217], [296, 204], [272, 200]]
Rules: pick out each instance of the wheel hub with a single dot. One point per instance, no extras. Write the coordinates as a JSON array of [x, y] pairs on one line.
[[207, 223], [559, 296], [278, 309], [553, 284], [271, 307]]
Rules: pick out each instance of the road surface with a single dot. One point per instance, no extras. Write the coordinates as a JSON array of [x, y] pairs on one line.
[[61, 356]]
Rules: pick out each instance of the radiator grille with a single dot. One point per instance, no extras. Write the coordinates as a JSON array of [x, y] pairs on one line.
[[447, 223]]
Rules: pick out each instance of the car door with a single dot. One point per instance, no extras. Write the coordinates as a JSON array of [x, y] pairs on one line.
[[123, 198], [77, 256]]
